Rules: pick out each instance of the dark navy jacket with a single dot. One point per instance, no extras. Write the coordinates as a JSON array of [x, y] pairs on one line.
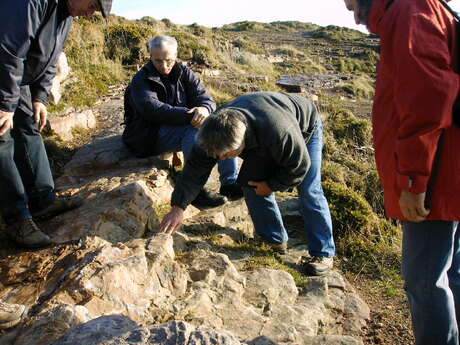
[[275, 151], [149, 105], [32, 35]]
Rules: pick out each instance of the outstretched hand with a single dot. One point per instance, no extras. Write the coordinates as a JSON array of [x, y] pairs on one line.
[[413, 206], [172, 221]]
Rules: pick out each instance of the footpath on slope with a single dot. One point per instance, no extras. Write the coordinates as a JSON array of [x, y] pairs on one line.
[[111, 279]]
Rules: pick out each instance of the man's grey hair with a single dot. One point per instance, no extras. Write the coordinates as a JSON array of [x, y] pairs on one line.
[[162, 41], [222, 132]]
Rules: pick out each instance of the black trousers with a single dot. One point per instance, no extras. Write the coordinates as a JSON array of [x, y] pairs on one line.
[[26, 182]]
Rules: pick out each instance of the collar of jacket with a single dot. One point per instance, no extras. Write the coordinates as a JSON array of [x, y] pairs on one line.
[[377, 12], [153, 74]]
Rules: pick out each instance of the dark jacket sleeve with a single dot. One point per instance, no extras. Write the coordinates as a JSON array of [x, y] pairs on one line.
[[196, 92], [41, 88], [289, 151], [19, 22], [145, 101], [194, 176]]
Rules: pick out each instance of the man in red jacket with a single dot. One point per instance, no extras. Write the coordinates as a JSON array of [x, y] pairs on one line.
[[417, 150]]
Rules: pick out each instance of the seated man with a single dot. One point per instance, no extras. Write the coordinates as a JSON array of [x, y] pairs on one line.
[[279, 138], [164, 105]]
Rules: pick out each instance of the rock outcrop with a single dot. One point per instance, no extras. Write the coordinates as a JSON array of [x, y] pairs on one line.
[[62, 73], [112, 279]]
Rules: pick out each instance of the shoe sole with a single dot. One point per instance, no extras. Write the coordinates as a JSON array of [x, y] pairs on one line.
[[313, 272]]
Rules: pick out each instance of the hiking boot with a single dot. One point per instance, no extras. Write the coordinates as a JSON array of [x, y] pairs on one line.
[[11, 314], [231, 191], [27, 234], [58, 206], [317, 265], [208, 199]]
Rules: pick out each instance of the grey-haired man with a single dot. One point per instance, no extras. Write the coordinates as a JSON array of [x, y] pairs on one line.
[[165, 104], [32, 35], [279, 138]]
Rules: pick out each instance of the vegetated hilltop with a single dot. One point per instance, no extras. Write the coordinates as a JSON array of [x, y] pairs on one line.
[[251, 56]]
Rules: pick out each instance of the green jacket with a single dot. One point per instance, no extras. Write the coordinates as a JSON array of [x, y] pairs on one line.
[[279, 126]]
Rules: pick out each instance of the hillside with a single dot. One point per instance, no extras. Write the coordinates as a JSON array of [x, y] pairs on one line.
[[335, 65]]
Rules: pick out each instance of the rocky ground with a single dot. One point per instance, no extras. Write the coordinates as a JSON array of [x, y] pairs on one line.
[[111, 279]]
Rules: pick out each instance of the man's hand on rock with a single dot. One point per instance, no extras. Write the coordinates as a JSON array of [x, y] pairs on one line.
[[40, 114], [172, 221], [199, 115], [6, 121], [413, 206], [262, 188]]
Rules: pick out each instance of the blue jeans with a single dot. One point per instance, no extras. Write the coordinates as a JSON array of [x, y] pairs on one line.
[[26, 182], [182, 138], [431, 270], [314, 208]]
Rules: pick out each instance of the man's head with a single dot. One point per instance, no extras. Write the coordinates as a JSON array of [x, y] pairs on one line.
[[361, 9], [163, 53], [85, 8], [222, 134]]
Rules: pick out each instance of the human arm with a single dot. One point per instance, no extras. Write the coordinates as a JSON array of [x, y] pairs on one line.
[[6, 121], [290, 154], [199, 115], [172, 220], [198, 96], [413, 206], [196, 171], [261, 187], [16, 34], [425, 89], [40, 114], [147, 103]]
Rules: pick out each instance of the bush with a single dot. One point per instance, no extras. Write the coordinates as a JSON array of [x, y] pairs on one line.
[[337, 33], [348, 129], [350, 211], [128, 42], [194, 48]]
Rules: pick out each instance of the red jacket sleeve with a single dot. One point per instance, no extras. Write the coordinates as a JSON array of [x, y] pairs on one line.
[[425, 89]]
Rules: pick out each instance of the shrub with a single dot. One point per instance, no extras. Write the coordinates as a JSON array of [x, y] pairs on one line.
[[289, 51], [128, 42], [337, 33], [194, 48], [350, 211]]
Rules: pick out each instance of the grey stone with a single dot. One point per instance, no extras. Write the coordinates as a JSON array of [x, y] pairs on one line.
[[270, 287], [101, 331], [62, 72], [63, 125]]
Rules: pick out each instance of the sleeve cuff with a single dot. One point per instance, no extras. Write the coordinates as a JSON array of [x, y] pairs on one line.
[[276, 186], [40, 97], [415, 184]]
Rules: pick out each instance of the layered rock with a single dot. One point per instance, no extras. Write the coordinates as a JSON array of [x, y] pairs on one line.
[[111, 279]]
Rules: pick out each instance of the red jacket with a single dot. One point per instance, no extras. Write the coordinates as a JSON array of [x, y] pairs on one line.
[[412, 112]]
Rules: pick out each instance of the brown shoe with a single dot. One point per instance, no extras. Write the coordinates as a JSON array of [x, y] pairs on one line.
[[27, 234], [11, 314], [317, 265], [58, 206]]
